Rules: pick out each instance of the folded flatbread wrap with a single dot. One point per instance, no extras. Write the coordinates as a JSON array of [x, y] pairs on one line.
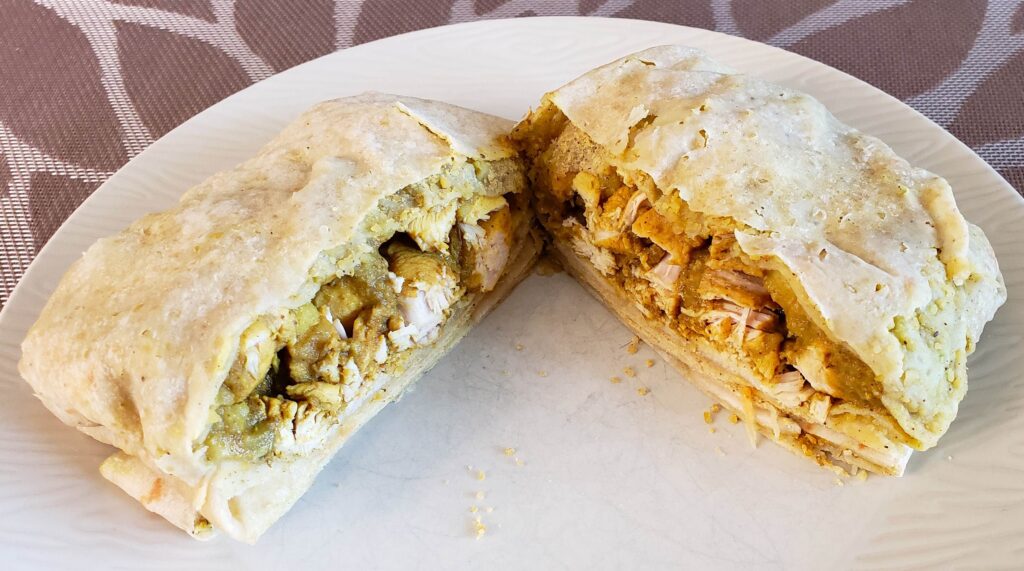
[[797, 270], [229, 346]]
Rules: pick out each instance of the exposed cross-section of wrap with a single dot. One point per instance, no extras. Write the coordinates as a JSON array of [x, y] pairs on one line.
[[229, 346], [799, 271]]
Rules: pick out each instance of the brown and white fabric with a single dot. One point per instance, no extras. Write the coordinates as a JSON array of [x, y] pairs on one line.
[[87, 84]]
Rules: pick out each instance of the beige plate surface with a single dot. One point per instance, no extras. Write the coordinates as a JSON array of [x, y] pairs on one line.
[[609, 478]]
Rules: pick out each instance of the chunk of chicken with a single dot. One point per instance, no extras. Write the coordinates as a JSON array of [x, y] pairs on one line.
[[486, 249], [347, 297], [790, 388], [608, 212], [610, 227], [736, 287], [358, 308], [430, 228], [762, 320], [632, 210], [428, 290], [255, 353], [818, 407], [659, 230], [316, 352], [811, 362], [480, 208], [582, 244], [665, 274]]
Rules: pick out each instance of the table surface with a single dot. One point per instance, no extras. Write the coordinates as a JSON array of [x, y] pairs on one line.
[[85, 85]]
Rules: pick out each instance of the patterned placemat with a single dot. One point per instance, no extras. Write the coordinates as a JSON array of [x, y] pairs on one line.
[[87, 84]]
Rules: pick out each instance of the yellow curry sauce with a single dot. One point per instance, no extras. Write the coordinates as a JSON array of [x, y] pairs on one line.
[[628, 228], [423, 255]]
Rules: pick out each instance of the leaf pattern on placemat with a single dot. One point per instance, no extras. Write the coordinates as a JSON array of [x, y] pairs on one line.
[[760, 20], [54, 198], [77, 106], [867, 48], [286, 34], [1017, 22], [587, 7], [976, 124], [54, 99], [484, 6], [696, 14], [383, 18], [196, 8], [143, 49], [5, 176]]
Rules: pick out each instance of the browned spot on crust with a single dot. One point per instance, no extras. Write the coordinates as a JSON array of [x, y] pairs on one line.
[[155, 492]]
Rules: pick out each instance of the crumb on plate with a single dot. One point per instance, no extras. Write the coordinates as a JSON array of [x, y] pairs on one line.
[[633, 346]]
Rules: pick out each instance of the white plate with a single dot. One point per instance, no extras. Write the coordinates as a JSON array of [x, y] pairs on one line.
[[610, 478]]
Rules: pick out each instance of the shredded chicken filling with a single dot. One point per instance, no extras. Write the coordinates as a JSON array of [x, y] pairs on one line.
[[687, 269], [428, 246]]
